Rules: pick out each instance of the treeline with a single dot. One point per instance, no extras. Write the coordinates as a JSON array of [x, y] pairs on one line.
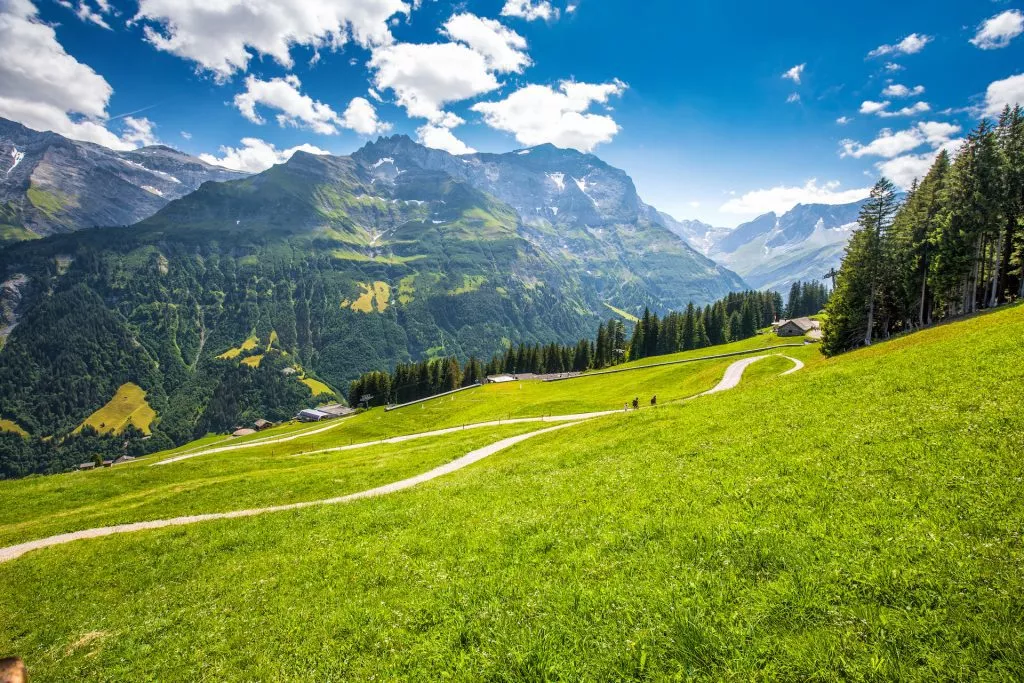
[[955, 246], [806, 298], [738, 316], [413, 381]]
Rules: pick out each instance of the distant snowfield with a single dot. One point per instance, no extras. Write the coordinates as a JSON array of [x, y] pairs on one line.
[[17, 157]]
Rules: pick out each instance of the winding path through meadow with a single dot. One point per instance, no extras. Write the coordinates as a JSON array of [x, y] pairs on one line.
[[732, 377]]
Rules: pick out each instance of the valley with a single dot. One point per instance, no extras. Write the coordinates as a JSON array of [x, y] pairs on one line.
[[763, 523]]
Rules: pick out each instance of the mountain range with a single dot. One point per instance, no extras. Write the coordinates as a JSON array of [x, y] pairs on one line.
[[773, 251], [50, 184], [228, 302]]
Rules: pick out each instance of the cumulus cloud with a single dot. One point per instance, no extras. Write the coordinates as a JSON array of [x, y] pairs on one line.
[[869, 107], [898, 90], [888, 144], [997, 32], [531, 9], [44, 87], [795, 74], [502, 48], [783, 198], [302, 111], [425, 77], [893, 67], [139, 132], [361, 117], [891, 144], [882, 109], [843, 120], [255, 155], [793, 98], [1000, 94], [910, 45], [536, 114], [283, 95], [913, 110], [221, 37], [441, 137]]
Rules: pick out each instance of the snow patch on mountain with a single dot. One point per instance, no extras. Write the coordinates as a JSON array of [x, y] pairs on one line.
[[558, 179], [17, 157]]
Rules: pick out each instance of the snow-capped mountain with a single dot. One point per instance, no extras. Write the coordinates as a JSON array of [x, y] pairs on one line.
[[50, 184], [772, 251], [579, 207]]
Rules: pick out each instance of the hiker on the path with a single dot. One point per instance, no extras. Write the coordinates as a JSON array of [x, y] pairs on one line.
[[636, 403], [654, 400]]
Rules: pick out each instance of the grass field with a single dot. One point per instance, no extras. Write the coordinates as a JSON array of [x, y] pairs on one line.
[[12, 426], [128, 406], [248, 345], [317, 387], [858, 520]]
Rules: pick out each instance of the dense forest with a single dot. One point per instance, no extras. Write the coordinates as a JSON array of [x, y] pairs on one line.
[[955, 245], [735, 317]]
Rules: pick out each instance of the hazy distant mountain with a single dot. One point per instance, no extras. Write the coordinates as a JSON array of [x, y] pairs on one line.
[[50, 184], [771, 251]]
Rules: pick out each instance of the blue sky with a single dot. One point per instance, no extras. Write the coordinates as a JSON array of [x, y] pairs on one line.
[[692, 99]]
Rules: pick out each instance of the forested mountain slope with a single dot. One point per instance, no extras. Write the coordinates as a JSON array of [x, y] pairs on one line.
[[50, 184], [323, 267]]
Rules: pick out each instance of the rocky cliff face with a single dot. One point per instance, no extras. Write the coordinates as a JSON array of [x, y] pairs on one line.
[[580, 208], [50, 184]]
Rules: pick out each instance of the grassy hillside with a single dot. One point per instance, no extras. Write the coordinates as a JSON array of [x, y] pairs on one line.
[[127, 407], [859, 520]]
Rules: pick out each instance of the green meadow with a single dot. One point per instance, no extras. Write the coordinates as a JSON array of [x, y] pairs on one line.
[[858, 520]]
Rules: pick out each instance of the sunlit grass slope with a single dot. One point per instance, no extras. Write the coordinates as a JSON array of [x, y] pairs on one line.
[[127, 407], [860, 520]]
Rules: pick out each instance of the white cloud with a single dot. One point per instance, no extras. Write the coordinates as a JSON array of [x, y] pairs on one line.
[[139, 131], [185, 134], [536, 114], [795, 74], [440, 137], [905, 169], [222, 36], [569, 9], [888, 144], [793, 98], [869, 107], [843, 120], [882, 109], [255, 155], [361, 117], [1007, 92], [501, 47], [937, 133], [86, 13], [997, 32], [910, 45], [302, 111], [530, 10], [426, 77], [893, 67], [43, 86], [913, 110], [283, 95], [781, 199], [898, 90]]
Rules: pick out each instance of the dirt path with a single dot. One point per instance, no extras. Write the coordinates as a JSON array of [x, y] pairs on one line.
[[732, 377], [16, 551], [267, 441]]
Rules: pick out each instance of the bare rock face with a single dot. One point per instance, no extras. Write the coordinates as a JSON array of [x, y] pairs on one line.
[[12, 293], [50, 184]]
